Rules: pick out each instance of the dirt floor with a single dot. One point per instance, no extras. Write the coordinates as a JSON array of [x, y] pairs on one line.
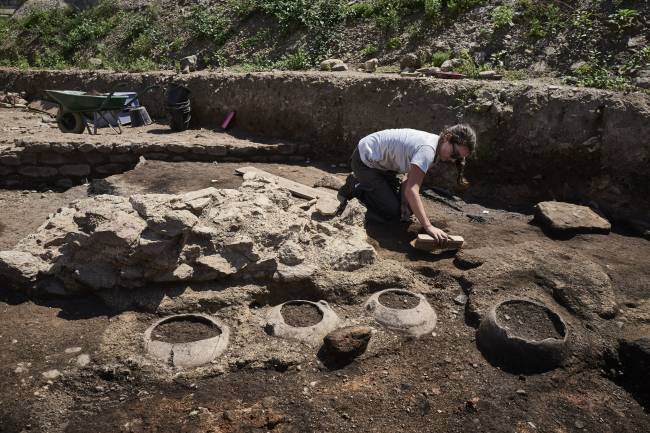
[[437, 383]]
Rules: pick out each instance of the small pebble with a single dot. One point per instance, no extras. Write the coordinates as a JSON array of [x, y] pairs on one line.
[[51, 374], [579, 424], [461, 299], [83, 360]]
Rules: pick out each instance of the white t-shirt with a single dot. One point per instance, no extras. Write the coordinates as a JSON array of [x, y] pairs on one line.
[[396, 149]]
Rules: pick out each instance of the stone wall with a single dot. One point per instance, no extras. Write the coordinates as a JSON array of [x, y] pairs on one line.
[[530, 133], [63, 163]]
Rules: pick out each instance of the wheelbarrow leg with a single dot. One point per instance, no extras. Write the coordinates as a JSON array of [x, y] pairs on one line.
[[101, 113]]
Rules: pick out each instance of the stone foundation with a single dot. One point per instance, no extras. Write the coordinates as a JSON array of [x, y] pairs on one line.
[[64, 162]]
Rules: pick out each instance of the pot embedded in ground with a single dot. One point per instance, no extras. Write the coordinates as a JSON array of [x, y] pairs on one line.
[[186, 340], [521, 335], [302, 320], [417, 320]]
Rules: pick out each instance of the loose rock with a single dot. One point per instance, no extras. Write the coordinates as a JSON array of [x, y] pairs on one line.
[[329, 181], [409, 61], [566, 218], [329, 64], [188, 64], [83, 360], [371, 65], [51, 374], [461, 299], [348, 342]]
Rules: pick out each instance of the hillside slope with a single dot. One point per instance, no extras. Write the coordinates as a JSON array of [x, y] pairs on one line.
[[596, 43]]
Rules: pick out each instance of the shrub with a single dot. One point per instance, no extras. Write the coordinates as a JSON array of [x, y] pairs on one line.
[[387, 15], [369, 51], [439, 57], [359, 10], [624, 18], [541, 18], [468, 67], [210, 24], [393, 43], [502, 16], [432, 8], [583, 25], [295, 62], [639, 59], [596, 74]]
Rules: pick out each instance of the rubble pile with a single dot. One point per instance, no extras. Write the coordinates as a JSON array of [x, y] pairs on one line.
[[256, 232]]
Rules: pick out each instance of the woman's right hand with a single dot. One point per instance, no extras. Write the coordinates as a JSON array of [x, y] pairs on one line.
[[436, 234]]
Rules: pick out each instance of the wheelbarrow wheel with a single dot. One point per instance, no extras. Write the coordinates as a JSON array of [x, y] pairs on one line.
[[70, 122]]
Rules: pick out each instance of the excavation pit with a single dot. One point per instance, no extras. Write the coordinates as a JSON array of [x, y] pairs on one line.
[[521, 335], [301, 320], [186, 340], [402, 311]]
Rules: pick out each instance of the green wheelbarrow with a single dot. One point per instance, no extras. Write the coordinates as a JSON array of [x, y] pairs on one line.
[[76, 108]]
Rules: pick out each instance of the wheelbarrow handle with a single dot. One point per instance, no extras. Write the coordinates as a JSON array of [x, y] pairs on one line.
[[115, 89], [142, 92]]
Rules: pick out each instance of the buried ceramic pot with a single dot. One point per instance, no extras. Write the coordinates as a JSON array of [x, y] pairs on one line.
[[188, 354], [313, 334], [416, 321], [503, 347]]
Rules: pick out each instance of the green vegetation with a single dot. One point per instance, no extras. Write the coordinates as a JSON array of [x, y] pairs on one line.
[[259, 35], [583, 25], [439, 57], [369, 51], [624, 19], [393, 43], [597, 74], [542, 18], [210, 24], [468, 66], [502, 16], [295, 61], [639, 59], [63, 37]]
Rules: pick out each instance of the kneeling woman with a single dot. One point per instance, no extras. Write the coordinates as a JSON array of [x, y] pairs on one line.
[[380, 156]]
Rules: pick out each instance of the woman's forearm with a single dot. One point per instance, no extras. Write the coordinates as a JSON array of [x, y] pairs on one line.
[[413, 198]]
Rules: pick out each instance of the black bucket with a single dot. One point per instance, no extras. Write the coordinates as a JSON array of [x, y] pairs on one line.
[[178, 107]]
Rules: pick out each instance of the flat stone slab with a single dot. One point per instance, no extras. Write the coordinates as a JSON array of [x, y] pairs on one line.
[[570, 218]]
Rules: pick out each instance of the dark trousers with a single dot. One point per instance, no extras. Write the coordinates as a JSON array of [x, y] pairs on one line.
[[379, 190]]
